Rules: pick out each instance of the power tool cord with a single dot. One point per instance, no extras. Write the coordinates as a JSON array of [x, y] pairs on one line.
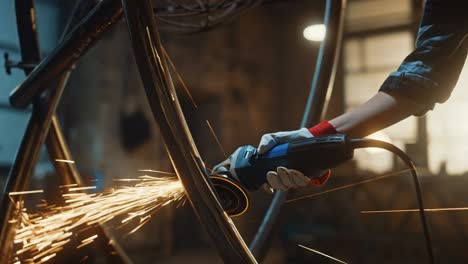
[[372, 143]]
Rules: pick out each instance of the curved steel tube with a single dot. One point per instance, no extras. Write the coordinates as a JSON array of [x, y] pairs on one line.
[[25, 160], [212, 21], [320, 91], [38, 130], [327, 63], [75, 44], [178, 141], [57, 146]]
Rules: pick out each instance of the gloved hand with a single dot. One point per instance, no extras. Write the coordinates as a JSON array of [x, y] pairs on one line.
[[284, 178], [267, 142]]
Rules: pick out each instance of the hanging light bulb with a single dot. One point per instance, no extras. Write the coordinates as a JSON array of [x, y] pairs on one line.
[[315, 32]]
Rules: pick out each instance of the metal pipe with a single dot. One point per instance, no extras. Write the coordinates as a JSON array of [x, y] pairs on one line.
[[68, 173], [38, 126], [28, 152], [320, 91], [57, 147], [27, 32], [22, 169], [20, 174], [76, 44], [177, 138], [327, 64], [55, 142]]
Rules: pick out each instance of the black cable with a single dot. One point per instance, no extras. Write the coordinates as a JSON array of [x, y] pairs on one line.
[[372, 143]]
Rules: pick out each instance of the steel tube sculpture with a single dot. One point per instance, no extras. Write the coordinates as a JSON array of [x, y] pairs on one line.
[[177, 138], [81, 38]]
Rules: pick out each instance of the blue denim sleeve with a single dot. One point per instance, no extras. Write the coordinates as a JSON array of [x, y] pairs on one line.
[[428, 74]]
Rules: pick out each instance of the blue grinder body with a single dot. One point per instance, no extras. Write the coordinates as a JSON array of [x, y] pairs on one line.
[[307, 156]]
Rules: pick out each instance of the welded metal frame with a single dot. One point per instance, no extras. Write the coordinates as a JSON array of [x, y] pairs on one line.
[[83, 36], [178, 141], [43, 127], [166, 110]]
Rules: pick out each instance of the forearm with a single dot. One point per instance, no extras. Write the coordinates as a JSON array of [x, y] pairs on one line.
[[379, 112]]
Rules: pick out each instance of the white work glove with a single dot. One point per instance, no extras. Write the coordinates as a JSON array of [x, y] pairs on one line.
[[284, 178]]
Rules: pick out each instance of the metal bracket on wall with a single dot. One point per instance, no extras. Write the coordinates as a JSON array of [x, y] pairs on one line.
[[9, 64]]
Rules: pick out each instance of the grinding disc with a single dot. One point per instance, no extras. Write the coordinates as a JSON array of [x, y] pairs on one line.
[[232, 196]]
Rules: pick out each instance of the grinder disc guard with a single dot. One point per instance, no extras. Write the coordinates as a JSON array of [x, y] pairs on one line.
[[232, 196]]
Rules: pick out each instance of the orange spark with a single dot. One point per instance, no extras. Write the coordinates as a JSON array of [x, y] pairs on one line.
[[348, 186], [41, 236], [157, 171], [25, 192], [446, 209], [81, 188], [65, 161], [323, 254], [68, 185], [174, 69], [216, 138]]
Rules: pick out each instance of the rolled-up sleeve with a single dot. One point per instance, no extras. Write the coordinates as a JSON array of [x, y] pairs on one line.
[[428, 74]]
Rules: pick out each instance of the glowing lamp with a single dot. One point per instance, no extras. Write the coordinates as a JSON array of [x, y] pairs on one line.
[[315, 32]]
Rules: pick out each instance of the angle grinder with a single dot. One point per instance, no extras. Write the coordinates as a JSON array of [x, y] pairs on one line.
[[247, 169]]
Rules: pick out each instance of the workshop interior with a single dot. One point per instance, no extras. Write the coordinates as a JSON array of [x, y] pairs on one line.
[[116, 116]]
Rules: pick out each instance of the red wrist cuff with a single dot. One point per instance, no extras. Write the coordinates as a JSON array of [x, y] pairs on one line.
[[319, 181], [322, 128]]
